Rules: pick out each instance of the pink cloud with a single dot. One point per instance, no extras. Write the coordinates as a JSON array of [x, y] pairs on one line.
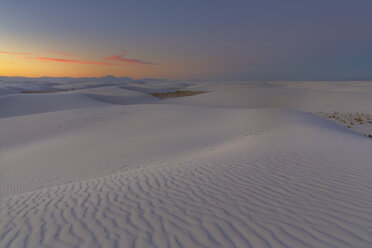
[[13, 53], [120, 58], [72, 61], [61, 53]]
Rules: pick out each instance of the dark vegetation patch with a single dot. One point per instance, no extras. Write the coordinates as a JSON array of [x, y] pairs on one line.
[[350, 120], [46, 91], [178, 93], [346, 118]]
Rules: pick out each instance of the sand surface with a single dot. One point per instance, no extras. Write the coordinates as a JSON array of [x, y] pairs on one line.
[[243, 165]]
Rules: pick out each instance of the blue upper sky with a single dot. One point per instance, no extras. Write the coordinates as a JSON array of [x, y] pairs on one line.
[[258, 39]]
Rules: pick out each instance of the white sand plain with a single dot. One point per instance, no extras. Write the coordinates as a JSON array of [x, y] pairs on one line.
[[244, 165]]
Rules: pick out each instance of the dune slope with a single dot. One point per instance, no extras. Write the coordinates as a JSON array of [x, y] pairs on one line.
[[177, 174]]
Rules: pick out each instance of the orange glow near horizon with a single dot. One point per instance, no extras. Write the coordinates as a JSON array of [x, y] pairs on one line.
[[60, 64], [31, 65], [41, 69]]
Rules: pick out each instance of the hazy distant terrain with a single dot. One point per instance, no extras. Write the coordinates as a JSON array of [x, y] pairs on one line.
[[101, 162]]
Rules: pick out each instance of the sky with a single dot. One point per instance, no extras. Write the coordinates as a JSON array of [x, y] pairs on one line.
[[213, 40]]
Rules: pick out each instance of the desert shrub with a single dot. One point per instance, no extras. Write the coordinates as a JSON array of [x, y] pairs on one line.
[[46, 91]]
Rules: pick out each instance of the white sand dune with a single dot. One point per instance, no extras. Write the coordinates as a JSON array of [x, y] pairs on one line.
[[25, 104], [235, 167], [281, 95], [118, 95]]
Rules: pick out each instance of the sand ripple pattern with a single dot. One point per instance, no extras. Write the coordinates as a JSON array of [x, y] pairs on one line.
[[243, 196]]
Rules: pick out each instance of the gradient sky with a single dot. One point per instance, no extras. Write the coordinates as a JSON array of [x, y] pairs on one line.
[[251, 39]]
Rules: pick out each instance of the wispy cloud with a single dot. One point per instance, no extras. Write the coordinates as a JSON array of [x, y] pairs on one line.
[[120, 58], [14, 53], [61, 53], [71, 61]]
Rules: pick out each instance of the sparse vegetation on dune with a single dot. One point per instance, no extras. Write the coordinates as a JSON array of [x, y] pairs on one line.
[[350, 120], [177, 93], [46, 91]]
